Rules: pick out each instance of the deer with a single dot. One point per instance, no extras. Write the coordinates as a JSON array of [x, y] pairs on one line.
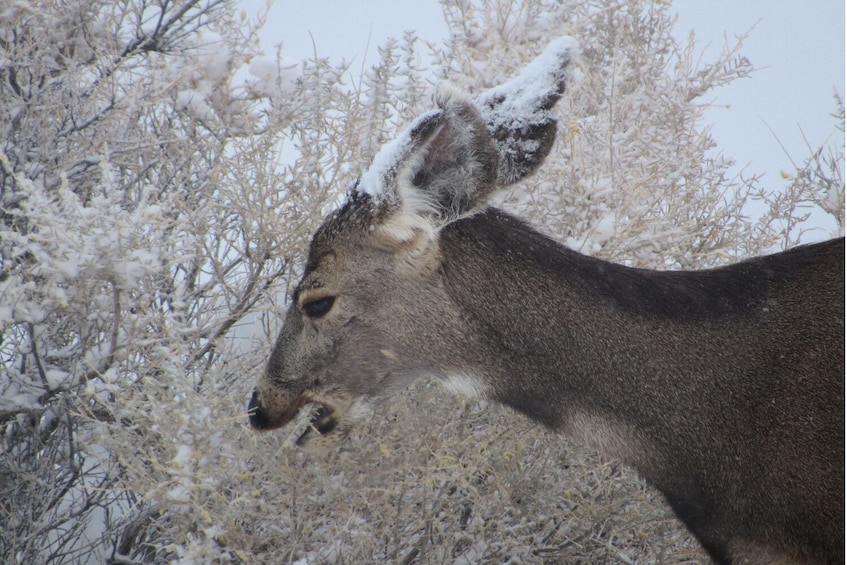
[[723, 388]]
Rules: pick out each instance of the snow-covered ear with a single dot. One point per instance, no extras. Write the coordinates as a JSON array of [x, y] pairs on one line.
[[449, 161], [517, 113], [444, 166]]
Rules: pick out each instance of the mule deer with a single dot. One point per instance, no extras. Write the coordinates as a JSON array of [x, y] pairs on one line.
[[723, 387]]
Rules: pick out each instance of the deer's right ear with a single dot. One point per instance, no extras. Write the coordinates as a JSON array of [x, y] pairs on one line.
[[444, 166]]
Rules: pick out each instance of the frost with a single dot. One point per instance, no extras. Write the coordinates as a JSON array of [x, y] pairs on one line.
[[335, 203]]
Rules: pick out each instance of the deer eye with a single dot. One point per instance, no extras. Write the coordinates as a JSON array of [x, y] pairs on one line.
[[318, 307]]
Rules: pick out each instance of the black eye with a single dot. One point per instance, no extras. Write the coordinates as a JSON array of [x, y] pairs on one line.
[[318, 307]]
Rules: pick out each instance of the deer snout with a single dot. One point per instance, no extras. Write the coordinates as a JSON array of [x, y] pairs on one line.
[[316, 420], [271, 407]]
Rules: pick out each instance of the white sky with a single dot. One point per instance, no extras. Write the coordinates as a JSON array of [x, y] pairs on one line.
[[799, 47]]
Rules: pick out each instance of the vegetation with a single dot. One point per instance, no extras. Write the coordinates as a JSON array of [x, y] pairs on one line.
[[154, 210]]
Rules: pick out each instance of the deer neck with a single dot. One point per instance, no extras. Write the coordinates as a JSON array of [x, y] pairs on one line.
[[558, 338]]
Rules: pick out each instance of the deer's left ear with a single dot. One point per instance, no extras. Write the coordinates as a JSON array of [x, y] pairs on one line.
[[442, 167], [449, 161]]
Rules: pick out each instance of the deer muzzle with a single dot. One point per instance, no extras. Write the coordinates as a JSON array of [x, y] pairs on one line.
[[271, 410]]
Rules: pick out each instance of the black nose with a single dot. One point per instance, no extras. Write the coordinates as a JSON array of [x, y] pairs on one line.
[[258, 418]]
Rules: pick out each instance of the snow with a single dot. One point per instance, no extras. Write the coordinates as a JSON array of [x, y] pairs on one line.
[[389, 158], [10, 401], [474, 554], [195, 104], [511, 104], [272, 78], [56, 377], [520, 98], [183, 456]]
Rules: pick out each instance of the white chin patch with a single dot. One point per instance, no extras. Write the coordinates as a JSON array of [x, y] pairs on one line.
[[465, 385]]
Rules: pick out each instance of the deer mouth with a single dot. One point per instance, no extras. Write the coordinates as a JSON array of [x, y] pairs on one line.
[[319, 419], [309, 420]]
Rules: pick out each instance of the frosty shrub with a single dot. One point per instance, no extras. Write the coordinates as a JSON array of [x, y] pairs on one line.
[[141, 221], [155, 204], [814, 189]]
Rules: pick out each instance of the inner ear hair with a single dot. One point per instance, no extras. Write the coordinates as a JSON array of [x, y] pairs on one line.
[[404, 231]]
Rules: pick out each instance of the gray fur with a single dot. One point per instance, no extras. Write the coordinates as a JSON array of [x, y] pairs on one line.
[[724, 388]]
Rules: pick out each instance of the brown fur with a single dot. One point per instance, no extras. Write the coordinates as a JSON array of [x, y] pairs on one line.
[[724, 388]]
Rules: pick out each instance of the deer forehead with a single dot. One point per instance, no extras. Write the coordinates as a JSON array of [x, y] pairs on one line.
[[348, 252]]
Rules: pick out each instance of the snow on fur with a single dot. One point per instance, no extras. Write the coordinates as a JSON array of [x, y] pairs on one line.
[[385, 165], [522, 99], [518, 102]]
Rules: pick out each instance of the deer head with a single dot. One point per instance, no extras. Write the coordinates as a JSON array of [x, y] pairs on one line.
[[371, 312]]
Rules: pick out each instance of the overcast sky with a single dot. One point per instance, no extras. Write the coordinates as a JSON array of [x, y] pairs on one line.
[[798, 47]]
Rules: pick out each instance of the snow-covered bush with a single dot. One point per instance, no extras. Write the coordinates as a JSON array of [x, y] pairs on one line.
[[132, 241], [154, 208]]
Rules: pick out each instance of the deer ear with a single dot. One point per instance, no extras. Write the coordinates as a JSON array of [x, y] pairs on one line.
[[450, 160], [517, 113], [444, 166]]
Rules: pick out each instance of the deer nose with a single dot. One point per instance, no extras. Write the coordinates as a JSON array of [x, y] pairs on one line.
[[258, 418]]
